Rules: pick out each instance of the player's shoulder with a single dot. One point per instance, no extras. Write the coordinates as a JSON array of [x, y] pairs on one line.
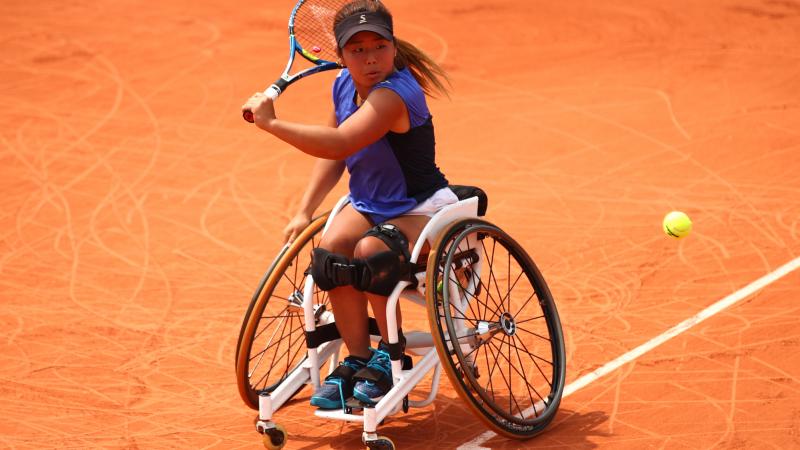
[[402, 77], [342, 81], [343, 72], [343, 77], [401, 81]]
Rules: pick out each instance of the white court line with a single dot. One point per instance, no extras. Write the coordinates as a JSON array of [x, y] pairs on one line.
[[610, 366]]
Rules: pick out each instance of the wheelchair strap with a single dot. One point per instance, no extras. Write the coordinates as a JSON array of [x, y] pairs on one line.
[[344, 372], [380, 379], [396, 350], [328, 332]]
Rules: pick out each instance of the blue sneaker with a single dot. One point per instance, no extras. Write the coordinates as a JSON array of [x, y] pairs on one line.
[[374, 381], [338, 386]]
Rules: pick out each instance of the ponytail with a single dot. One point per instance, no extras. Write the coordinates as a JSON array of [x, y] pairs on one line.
[[425, 70]]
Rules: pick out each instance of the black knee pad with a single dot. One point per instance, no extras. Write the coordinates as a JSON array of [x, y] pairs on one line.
[[331, 270], [381, 272]]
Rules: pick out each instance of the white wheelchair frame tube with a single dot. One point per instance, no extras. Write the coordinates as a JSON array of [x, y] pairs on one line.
[[461, 209], [308, 304]]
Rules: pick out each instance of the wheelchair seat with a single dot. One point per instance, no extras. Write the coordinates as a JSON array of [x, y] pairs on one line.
[[465, 192]]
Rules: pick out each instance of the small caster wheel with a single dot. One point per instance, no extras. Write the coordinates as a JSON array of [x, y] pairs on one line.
[[274, 438], [405, 404], [382, 443]]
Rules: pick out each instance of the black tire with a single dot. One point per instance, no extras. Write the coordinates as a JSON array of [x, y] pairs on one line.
[[262, 362], [510, 365]]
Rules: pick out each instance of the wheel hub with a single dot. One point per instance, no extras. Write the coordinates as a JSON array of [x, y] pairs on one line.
[[507, 324]]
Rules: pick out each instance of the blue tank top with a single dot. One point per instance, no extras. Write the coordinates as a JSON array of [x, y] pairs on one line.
[[396, 173]]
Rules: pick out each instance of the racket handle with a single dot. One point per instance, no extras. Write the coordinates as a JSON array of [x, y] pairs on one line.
[[272, 93]]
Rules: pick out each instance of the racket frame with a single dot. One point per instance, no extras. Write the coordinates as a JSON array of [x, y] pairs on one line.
[[320, 65], [280, 85]]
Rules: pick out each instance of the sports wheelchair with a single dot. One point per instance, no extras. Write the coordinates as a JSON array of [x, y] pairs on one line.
[[494, 328]]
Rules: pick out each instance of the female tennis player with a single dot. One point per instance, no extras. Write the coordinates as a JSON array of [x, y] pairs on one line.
[[382, 131]]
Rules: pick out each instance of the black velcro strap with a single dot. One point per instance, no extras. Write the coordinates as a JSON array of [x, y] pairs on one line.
[[323, 333], [380, 379], [342, 371], [392, 237], [343, 274], [397, 353], [328, 332], [396, 350]]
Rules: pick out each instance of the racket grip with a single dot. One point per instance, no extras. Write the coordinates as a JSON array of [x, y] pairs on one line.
[[272, 93]]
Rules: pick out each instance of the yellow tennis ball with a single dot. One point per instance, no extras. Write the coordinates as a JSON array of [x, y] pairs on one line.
[[677, 224]]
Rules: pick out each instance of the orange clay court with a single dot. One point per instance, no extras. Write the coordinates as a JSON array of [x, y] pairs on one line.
[[139, 212]]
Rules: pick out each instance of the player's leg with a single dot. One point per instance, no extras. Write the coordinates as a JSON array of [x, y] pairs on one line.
[[411, 227], [381, 250], [349, 308]]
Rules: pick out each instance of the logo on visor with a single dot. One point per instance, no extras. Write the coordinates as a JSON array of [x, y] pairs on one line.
[[363, 19]]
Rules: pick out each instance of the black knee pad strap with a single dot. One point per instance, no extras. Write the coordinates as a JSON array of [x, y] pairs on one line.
[[392, 237], [331, 270]]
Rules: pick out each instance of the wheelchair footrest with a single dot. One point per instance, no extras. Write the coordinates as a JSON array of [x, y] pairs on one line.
[[353, 403]]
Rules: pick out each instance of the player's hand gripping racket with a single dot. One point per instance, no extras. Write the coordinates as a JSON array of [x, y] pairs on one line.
[[310, 36]]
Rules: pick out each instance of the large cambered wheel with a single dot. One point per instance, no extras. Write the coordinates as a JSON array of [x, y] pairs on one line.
[[272, 338], [496, 328]]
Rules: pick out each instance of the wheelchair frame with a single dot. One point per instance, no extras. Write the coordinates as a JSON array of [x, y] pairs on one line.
[[419, 343]]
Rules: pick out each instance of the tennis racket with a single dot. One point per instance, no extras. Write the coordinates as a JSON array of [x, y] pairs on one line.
[[310, 36]]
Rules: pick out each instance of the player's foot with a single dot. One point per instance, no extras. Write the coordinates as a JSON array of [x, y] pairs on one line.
[[338, 386], [375, 380]]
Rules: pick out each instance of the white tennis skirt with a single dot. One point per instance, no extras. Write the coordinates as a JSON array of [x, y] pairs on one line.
[[434, 203]]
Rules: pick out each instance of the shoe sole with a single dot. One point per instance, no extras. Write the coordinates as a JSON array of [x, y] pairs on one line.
[[326, 403]]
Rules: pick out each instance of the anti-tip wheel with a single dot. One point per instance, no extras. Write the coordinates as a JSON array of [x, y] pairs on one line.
[[274, 438], [382, 443]]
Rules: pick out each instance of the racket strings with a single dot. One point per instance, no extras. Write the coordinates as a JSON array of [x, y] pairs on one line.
[[313, 27]]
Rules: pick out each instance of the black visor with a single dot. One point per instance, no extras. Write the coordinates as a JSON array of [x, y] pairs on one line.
[[364, 21]]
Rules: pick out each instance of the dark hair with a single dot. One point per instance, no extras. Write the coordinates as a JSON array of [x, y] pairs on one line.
[[425, 70]]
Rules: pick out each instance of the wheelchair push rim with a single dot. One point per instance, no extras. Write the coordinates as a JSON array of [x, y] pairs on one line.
[[508, 361], [272, 340]]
